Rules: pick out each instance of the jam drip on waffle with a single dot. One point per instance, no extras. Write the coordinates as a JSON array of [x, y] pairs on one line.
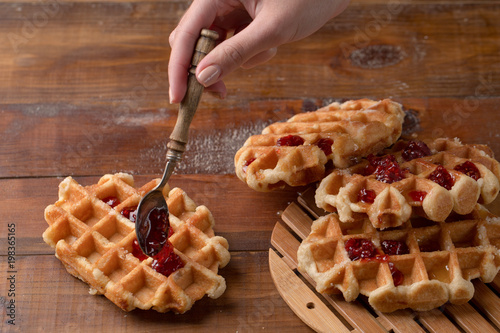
[[165, 261]]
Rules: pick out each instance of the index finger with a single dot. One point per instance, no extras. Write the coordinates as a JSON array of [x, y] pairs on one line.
[[200, 14]]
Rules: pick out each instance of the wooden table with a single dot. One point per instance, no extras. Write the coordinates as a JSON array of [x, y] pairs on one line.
[[83, 92]]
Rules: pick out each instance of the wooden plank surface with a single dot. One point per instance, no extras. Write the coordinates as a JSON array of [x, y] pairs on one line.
[[83, 92], [49, 299], [92, 81], [409, 49]]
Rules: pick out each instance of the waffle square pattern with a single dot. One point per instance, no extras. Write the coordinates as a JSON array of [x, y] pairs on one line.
[[431, 180], [95, 243], [420, 265], [301, 150]]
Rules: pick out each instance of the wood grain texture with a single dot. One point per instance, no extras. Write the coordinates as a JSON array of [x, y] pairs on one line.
[[52, 140], [372, 49], [84, 92], [49, 299]]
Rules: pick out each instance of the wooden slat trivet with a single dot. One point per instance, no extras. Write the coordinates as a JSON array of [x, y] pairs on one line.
[[482, 314]]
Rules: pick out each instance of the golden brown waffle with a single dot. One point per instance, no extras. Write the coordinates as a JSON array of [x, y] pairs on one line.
[[348, 191], [434, 265], [340, 133], [94, 242]]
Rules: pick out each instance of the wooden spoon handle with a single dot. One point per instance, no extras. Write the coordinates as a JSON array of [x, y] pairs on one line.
[[187, 108]]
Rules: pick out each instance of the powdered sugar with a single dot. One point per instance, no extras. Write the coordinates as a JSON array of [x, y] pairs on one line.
[[209, 152], [493, 220]]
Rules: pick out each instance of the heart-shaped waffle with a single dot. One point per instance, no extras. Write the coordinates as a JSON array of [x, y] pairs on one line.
[[420, 265], [431, 180], [296, 152], [95, 242]]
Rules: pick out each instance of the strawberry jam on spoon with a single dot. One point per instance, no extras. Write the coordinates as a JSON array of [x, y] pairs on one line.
[[155, 230]]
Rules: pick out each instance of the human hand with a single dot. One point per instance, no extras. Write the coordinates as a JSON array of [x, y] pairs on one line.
[[258, 27]]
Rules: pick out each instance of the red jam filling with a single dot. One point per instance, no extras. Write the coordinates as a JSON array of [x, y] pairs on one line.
[[417, 195], [367, 196], [442, 177], [470, 169], [137, 252], [111, 201], [247, 163], [394, 247], [325, 144], [166, 261], [360, 248], [130, 213], [415, 149], [397, 276], [368, 170], [387, 169], [290, 140]]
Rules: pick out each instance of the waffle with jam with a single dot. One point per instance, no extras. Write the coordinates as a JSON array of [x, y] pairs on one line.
[[420, 265], [301, 150], [93, 232], [432, 180]]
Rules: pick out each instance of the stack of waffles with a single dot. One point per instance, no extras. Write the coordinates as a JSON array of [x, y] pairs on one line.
[[95, 242], [407, 227], [299, 151]]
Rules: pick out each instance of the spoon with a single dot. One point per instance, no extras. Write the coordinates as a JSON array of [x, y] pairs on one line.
[[151, 224]]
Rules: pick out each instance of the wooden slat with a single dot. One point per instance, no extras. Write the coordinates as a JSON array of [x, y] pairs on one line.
[[496, 283], [487, 301], [297, 220], [436, 322], [401, 321], [306, 305], [469, 319], [307, 202], [286, 244]]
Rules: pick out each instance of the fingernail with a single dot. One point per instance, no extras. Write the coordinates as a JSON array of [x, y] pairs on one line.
[[209, 75], [170, 95]]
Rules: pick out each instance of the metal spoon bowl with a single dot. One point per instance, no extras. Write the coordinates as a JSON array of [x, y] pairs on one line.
[[153, 199], [178, 140]]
